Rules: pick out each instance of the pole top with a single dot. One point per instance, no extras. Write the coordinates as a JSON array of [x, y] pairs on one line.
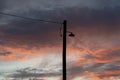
[[65, 21]]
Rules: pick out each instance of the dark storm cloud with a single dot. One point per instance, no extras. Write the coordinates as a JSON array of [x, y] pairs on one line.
[[101, 22]]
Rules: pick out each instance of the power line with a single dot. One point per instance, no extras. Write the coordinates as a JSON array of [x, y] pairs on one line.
[[33, 19]]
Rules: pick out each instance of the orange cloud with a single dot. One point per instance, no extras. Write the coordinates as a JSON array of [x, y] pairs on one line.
[[94, 76], [21, 53], [13, 57]]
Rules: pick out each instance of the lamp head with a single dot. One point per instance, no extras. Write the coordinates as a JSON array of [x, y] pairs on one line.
[[71, 35]]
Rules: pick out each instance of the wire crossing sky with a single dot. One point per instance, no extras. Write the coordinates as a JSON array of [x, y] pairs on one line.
[[2, 13]]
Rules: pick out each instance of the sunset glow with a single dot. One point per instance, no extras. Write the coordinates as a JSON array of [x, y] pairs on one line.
[[32, 50]]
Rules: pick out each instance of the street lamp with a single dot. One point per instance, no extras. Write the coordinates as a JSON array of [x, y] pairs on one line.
[[64, 36], [64, 48], [71, 34]]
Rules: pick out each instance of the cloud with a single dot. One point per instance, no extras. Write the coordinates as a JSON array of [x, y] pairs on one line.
[[28, 72], [95, 24], [80, 20], [26, 5], [4, 53], [99, 70], [101, 63], [2, 4]]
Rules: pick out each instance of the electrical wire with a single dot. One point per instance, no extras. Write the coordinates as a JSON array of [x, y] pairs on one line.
[[33, 19]]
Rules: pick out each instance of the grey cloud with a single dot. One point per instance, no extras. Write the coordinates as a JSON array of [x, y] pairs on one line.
[[27, 73], [102, 22], [39, 75], [112, 67], [115, 53], [2, 4], [101, 67], [46, 4], [96, 68], [25, 6]]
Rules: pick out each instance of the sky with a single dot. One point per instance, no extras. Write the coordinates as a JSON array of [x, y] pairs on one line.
[[32, 49]]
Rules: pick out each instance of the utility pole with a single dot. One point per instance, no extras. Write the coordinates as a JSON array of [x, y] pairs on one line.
[[64, 49], [64, 37]]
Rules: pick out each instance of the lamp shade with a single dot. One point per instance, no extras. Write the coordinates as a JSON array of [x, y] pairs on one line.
[[71, 35]]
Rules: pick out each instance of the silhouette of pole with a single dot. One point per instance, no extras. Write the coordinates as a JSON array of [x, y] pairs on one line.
[[64, 49], [64, 37]]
